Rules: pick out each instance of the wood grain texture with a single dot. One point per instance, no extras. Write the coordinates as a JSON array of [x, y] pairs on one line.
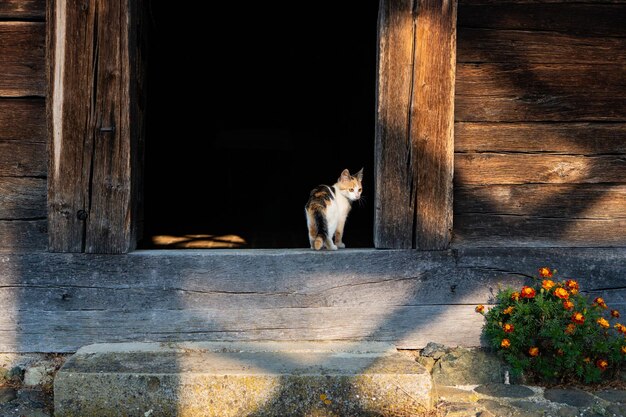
[[108, 225], [512, 46], [540, 92], [432, 122], [23, 235], [23, 9], [394, 160], [23, 198], [23, 63], [92, 147], [493, 168], [478, 230], [558, 138], [71, 120], [23, 120], [23, 159], [414, 126], [58, 302], [585, 19], [566, 201]]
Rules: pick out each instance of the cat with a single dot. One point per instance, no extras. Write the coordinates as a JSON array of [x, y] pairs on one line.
[[328, 208]]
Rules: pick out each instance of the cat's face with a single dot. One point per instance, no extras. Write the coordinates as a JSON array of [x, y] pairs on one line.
[[350, 185]]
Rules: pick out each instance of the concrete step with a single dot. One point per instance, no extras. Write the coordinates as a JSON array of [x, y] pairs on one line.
[[241, 379]]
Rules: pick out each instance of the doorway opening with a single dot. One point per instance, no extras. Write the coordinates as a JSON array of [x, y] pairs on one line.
[[274, 100]]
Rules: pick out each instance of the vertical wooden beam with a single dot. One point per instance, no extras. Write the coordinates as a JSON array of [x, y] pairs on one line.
[[70, 52], [432, 121], [108, 226], [414, 125], [395, 179], [92, 200]]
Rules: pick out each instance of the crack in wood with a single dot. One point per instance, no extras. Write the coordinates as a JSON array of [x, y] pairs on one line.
[[493, 269], [382, 281]]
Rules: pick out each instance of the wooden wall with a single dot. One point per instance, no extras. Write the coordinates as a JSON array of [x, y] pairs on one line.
[[23, 138], [540, 129]]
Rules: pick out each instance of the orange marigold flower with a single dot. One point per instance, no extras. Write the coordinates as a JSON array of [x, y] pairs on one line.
[[560, 352], [508, 328], [506, 343], [545, 272], [623, 349], [515, 296], [533, 351], [602, 364], [570, 329], [599, 301], [578, 318], [528, 292], [587, 360], [615, 313], [561, 293], [480, 308], [572, 286], [547, 284], [603, 323], [508, 310], [568, 305], [620, 328]]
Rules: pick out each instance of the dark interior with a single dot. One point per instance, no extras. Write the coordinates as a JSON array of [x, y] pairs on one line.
[[251, 105]]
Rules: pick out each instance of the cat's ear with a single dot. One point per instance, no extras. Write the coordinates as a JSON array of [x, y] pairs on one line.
[[345, 176], [359, 175]]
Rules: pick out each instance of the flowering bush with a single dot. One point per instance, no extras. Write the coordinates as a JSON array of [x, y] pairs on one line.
[[549, 331]]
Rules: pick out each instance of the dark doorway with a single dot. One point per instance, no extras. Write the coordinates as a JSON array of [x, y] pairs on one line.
[[250, 106]]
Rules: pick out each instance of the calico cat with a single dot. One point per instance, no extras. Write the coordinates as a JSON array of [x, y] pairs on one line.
[[328, 208]]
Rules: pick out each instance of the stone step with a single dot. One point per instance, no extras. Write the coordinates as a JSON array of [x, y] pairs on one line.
[[241, 379]]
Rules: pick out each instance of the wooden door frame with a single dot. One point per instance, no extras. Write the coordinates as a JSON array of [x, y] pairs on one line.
[[95, 103], [96, 124], [414, 149]]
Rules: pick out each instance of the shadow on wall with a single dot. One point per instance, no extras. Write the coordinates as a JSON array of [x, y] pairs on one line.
[[551, 170]]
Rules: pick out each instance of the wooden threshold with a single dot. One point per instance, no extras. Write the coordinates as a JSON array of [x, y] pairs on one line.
[[58, 302]]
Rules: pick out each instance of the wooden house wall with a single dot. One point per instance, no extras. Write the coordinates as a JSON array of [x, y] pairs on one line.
[[540, 129], [23, 138], [540, 132]]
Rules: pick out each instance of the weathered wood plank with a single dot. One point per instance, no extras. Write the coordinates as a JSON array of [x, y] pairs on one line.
[[71, 71], [432, 122], [23, 9], [486, 230], [419, 325], [91, 198], [109, 222], [503, 80], [23, 159], [511, 46], [23, 198], [58, 302], [23, 63], [23, 235], [576, 18], [494, 168], [567, 201], [394, 164], [540, 92], [23, 120], [560, 138]]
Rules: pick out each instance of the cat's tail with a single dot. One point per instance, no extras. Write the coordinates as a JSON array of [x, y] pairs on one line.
[[322, 230]]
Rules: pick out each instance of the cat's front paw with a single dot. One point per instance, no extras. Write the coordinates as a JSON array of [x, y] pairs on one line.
[[341, 245], [332, 247]]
